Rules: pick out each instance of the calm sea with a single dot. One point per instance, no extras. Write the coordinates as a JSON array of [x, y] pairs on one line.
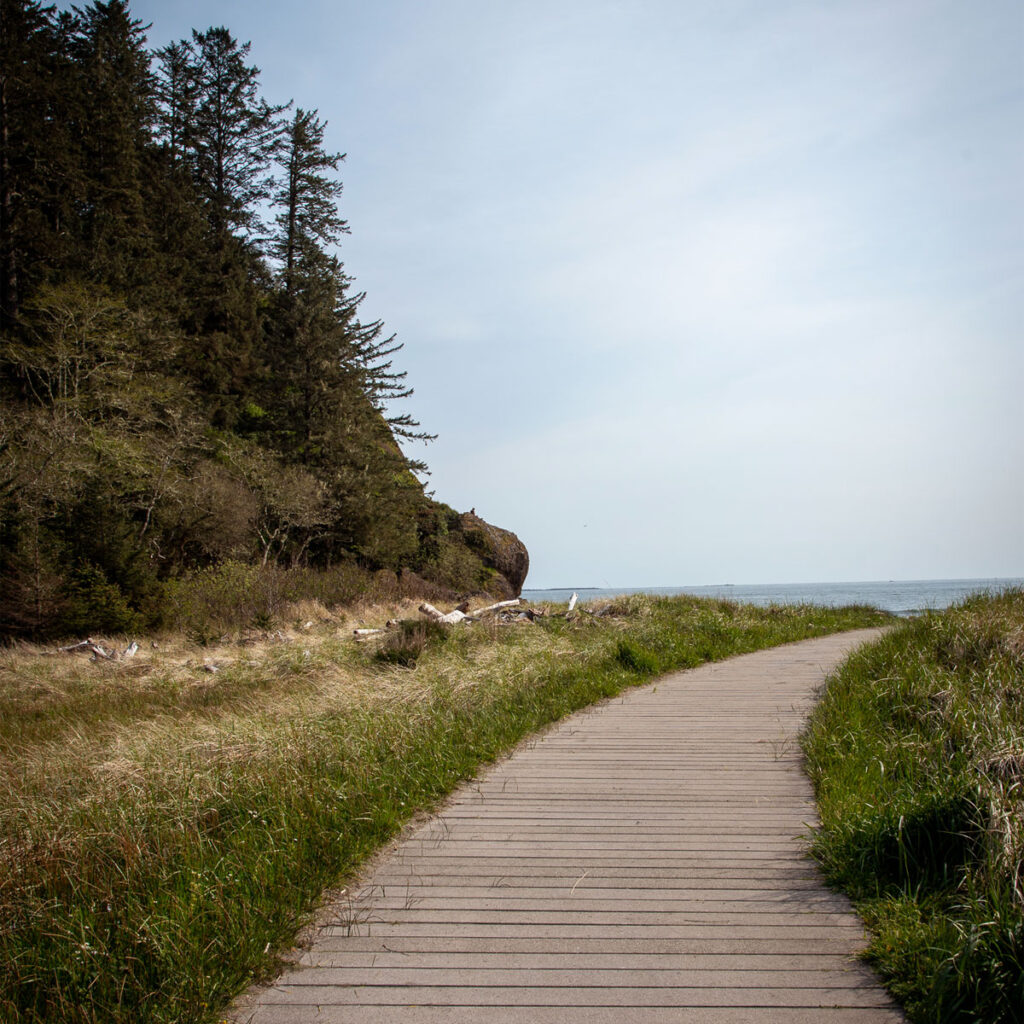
[[902, 597]]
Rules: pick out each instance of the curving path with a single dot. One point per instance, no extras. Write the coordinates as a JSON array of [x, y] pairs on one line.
[[642, 862]]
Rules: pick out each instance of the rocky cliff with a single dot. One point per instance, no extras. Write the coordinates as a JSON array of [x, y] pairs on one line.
[[501, 551]]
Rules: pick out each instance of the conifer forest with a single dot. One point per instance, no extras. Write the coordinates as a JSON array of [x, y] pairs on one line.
[[186, 382]]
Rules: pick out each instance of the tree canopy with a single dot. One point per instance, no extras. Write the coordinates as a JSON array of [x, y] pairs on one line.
[[180, 383]]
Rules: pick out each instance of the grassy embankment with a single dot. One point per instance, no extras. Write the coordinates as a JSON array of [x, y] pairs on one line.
[[917, 754], [165, 829]]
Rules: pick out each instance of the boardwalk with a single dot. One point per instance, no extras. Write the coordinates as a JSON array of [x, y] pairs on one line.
[[640, 863]]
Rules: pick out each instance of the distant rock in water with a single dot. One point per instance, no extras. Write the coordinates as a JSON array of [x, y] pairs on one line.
[[500, 551]]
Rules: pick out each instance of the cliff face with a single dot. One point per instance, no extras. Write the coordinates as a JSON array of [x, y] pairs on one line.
[[501, 552]]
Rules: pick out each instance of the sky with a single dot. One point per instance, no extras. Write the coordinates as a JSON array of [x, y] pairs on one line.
[[691, 291]]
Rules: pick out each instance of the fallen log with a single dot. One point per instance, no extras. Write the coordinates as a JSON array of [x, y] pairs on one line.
[[99, 652], [495, 607], [462, 612], [449, 619], [81, 645], [362, 634]]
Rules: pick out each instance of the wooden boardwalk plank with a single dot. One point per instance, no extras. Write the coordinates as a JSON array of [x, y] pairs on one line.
[[642, 862]]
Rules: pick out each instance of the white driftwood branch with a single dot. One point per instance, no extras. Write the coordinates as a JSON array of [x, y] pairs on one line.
[[80, 646], [495, 607], [99, 652], [449, 620], [362, 634], [89, 644]]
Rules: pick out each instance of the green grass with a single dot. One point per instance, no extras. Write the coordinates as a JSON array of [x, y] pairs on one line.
[[917, 756], [165, 830]]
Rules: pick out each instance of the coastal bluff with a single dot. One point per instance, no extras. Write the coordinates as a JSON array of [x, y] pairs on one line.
[[500, 551]]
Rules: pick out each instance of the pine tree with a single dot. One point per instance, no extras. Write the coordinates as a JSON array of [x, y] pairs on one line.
[[176, 93], [228, 135], [233, 134], [308, 222], [26, 93], [308, 358], [115, 119], [330, 374]]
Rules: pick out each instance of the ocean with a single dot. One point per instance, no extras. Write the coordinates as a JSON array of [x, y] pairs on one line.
[[901, 597]]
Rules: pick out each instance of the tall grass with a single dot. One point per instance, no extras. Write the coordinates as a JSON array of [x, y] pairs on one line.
[[167, 824], [917, 755]]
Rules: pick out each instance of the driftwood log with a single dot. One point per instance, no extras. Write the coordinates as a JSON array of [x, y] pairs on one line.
[[462, 613], [99, 652]]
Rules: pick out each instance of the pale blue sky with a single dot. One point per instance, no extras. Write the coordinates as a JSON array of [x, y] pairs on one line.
[[692, 292]]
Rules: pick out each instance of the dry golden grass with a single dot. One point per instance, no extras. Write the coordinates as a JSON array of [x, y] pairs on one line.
[[91, 729]]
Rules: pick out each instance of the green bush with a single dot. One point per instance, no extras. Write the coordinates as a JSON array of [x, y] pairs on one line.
[[94, 605]]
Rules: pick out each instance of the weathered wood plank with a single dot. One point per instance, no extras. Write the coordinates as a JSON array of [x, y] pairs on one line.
[[643, 862]]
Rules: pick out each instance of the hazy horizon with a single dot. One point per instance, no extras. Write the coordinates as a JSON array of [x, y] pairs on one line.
[[1007, 580]]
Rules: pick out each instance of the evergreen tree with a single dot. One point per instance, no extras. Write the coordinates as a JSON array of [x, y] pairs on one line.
[[307, 197], [308, 349], [233, 133], [114, 122], [175, 389], [176, 93], [331, 374], [228, 135], [27, 84]]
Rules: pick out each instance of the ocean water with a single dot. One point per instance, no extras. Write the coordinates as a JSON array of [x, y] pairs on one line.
[[901, 597]]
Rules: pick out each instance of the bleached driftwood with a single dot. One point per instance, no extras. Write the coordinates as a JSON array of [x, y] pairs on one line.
[[365, 632], [362, 634], [99, 652], [495, 607], [462, 613], [449, 619], [82, 645], [88, 645]]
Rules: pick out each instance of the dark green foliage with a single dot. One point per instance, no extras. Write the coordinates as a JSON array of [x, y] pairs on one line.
[[114, 110], [27, 58], [229, 134], [307, 199], [94, 604], [176, 389]]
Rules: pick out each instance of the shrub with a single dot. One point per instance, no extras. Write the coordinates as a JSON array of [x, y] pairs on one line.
[[406, 644]]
